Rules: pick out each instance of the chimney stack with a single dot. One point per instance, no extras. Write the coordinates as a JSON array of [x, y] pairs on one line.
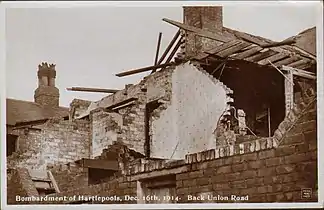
[[47, 94], [204, 17]]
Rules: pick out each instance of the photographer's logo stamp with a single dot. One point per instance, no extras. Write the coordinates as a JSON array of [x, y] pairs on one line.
[[306, 193]]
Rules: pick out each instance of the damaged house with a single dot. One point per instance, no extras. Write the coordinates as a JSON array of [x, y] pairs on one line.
[[222, 113]]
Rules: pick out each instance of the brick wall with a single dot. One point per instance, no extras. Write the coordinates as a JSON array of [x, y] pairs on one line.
[[118, 187], [105, 128], [77, 107], [47, 96], [127, 124], [271, 169], [55, 142], [208, 18], [69, 176]]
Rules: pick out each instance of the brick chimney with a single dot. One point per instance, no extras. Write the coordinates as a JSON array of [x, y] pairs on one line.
[[47, 94], [208, 18]]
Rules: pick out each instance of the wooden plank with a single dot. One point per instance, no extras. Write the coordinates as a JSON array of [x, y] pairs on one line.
[[223, 46], [175, 49], [276, 44], [304, 53], [55, 185], [116, 105], [249, 38], [158, 49], [123, 106], [100, 164], [169, 47], [97, 90], [299, 72], [214, 50], [159, 173], [287, 61], [260, 56], [233, 49], [247, 53], [304, 66], [140, 70], [272, 58], [198, 31], [297, 63]]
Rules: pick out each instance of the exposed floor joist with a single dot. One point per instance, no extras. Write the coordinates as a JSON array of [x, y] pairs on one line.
[[100, 164]]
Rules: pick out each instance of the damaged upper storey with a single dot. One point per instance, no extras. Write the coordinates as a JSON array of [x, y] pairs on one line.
[[235, 45]]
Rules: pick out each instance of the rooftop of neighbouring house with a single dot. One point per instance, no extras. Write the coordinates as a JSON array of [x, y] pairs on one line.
[[19, 111]]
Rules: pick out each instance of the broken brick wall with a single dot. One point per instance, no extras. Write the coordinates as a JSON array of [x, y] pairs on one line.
[[77, 107], [188, 122], [127, 124], [173, 93], [105, 128], [261, 170], [70, 176], [275, 175], [55, 142]]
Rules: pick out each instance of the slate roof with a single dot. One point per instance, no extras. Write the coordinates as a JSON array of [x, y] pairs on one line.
[[19, 111]]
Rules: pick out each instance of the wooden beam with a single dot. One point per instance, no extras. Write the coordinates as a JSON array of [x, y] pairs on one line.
[[97, 90], [249, 38], [100, 164], [306, 54], [277, 44], [260, 56], [273, 58], [233, 49], [169, 47], [297, 63], [304, 66], [217, 49], [174, 51], [198, 31], [55, 185], [140, 70], [247, 53], [121, 103], [158, 49], [299, 72], [286, 61]]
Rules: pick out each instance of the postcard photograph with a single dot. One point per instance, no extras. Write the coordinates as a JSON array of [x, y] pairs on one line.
[[178, 104]]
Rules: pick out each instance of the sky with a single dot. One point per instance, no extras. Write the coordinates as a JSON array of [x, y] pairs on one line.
[[90, 45]]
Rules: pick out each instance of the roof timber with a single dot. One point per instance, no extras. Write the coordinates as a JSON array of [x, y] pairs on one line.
[[298, 63], [260, 56], [250, 48], [299, 72], [200, 32], [217, 49], [273, 58], [233, 49], [287, 60], [248, 52]]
